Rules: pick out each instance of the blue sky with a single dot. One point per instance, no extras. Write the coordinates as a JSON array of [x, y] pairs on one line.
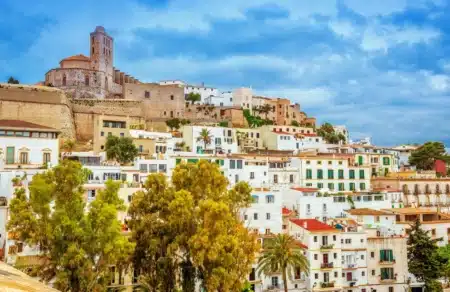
[[382, 68]]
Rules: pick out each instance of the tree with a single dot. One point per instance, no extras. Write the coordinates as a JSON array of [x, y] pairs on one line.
[[265, 109], [185, 122], [193, 97], [77, 247], [12, 80], [327, 132], [425, 156], [68, 146], [424, 261], [282, 255], [444, 253], [191, 228], [205, 137], [121, 149], [173, 123], [295, 124]]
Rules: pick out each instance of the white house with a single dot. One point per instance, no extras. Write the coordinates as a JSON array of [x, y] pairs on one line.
[[222, 140], [27, 145], [223, 99]]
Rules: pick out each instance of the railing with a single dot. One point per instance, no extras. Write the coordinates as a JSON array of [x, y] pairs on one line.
[[327, 285], [351, 266], [326, 265], [327, 246], [273, 287], [387, 262]]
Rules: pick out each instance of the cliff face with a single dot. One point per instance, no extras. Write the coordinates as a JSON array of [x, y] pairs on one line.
[[37, 104]]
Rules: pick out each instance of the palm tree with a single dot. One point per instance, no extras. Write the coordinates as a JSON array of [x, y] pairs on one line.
[[282, 255], [68, 146], [265, 109], [205, 137]]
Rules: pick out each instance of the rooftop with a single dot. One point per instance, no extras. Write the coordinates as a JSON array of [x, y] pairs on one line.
[[79, 57], [286, 212], [305, 190], [313, 225], [412, 211], [18, 124], [367, 211]]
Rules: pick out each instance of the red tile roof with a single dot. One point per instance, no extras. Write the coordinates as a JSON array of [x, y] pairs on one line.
[[309, 134], [282, 133], [22, 125], [79, 57], [286, 211], [305, 189], [312, 225], [300, 244]]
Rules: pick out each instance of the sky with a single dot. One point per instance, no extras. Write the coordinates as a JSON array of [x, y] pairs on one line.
[[382, 68]]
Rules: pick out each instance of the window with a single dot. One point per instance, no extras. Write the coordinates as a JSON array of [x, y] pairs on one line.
[[232, 164], [252, 175], [291, 178], [373, 272], [386, 255], [46, 157], [326, 277], [267, 216], [255, 216], [64, 81], [275, 281], [341, 186], [267, 231], [270, 199], [102, 134], [386, 161], [275, 178], [433, 232], [330, 174], [387, 274], [361, 174], [334, 237], [315, 238], [331, 186], [245, 217], [171, 97], [112, 273], [308, 174], [239, 164], [360, 160], [153, 168], [86, 80], [162, 168], [316, 276], [320, 174], [362, 256], [362, 186], [23, 157], [320, 185], [352, 186], [372, 254], [147, 94], [330, 162], [341, 174], [363, 273], [316, 257], [236, 178], [351, 174], [335, 274], [122, 134]]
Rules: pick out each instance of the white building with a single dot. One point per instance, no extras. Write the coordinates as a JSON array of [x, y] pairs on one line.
[[205, 92], [27, 145], [222, 140], [341, 129], [223, 99], [243, 97]]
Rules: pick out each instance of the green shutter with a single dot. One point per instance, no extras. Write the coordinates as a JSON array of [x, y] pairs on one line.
[[362, 186], [361, 173], [320, 173], [308, 173], [341, 173], [222, 162], [351, 173], [360, 160], [177, 161], [10, 155], [330, 173]]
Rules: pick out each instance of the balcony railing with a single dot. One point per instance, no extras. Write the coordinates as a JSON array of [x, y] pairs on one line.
[[351, 266], [273, 287], [327, 285], [387, 262], [327, 246], [326, 265]]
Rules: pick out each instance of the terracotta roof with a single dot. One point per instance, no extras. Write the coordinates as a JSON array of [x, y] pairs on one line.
[[413, 211], [22, 125], [282, 133], [305, 189], [79, 57], [387, 190], [312, 225], [309, 134], [367, 211], [300, 244], [286, 211]]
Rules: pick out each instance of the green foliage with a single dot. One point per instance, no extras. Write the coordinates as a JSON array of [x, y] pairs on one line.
[[173, 123], [120, 149], [68, 145], [295, 124], [185, 122], [191, 228], [12, 80], [351, 202], [424, 156], [193, 97], [247, 288], [255, 121], [424, 261], [223, 124], [77, 247], [204, 137], [327, 132], [282, 255], [444, 253]]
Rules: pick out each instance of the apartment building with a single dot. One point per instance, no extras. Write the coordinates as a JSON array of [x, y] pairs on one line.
[[27, 145], [332, 172], [152, 144], [324, 253]]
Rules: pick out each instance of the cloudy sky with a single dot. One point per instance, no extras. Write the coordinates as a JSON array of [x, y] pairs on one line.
[[382, 68]]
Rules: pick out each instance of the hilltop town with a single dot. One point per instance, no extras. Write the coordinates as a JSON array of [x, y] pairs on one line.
[[348, 204]]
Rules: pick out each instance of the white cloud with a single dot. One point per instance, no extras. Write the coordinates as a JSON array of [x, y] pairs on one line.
[[439, 82], [375, 8], [343, 28], [383, 37]]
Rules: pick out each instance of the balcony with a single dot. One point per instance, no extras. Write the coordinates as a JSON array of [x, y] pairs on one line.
[[326, 246], [350, 266], [327, 285], [326, 265], [273, 287], [387, 262]]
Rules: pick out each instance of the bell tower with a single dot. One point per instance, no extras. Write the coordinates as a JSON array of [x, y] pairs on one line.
[[101, 52]]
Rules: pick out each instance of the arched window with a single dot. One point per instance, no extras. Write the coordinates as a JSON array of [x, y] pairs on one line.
[[64, 81], [86, 80]]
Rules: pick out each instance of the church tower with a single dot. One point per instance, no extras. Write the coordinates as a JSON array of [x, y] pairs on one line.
[[102, 55]]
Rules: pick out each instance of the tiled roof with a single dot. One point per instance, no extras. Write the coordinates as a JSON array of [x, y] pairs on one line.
[[79, 57], [305, 189], [22, 125], [286, 211], [367, 211], [282, 133], [312, 225], [309, 134], [300, 244]]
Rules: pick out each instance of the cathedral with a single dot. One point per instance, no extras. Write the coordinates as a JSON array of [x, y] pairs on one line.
[[93, 76]]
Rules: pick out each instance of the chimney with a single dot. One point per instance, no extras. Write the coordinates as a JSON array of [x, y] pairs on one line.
[[305, 225]]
